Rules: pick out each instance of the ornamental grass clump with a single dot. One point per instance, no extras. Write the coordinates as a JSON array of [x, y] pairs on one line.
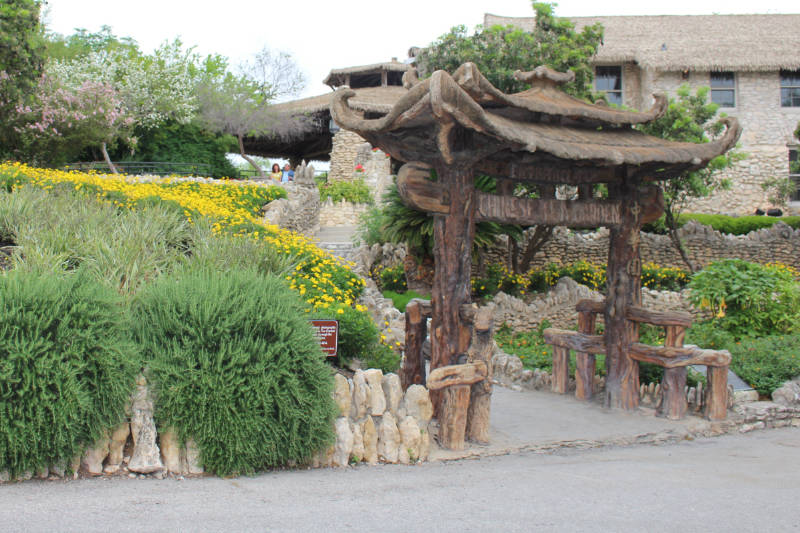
[[235, 367], [67, 367]]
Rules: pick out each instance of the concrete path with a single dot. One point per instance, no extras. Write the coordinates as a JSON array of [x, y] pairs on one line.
[[731, 483], [338, 240]]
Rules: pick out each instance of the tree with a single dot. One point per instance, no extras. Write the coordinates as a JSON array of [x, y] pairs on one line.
[[498, 52], [21, 62], [62, 121], [239, 105], [688, 119]]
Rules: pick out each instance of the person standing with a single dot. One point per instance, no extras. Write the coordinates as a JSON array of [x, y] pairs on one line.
[[288, 174], [276, 173]]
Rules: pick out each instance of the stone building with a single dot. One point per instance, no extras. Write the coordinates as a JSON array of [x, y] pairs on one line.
[[750, 62]]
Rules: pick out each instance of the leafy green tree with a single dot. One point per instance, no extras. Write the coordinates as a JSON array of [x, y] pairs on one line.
[[689, 119], [82, 43], [499, 51], [21, 62]]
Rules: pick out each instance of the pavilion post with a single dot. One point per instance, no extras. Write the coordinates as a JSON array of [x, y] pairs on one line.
[[453, 236], [624, 289]]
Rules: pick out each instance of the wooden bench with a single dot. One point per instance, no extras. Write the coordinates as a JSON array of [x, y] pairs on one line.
[[673, 356]]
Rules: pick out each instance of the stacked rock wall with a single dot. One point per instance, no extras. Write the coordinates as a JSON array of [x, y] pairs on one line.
[[378, 422], [341, 213], [343, 155], [703, 244], [299, 211]]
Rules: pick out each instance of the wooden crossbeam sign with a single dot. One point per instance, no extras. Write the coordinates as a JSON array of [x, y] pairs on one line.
[[419, 192]]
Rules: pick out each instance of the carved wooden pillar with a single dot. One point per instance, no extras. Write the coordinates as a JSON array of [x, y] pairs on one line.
[[624, 290], [453, 236]]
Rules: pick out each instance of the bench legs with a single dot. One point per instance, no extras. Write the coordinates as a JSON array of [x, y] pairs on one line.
[[560, 383], [673, 403], [716, 393]]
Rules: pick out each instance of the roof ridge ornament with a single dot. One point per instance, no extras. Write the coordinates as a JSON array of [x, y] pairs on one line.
[[544, 75]]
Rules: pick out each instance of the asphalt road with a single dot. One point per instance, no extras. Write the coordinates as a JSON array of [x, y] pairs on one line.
[[732, 483]]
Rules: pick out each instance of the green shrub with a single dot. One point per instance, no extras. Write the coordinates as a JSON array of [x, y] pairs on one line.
[[748, 299], [768, 362], [358, 334], [67, 367], [356, 191], [400, 300], [370, 227], [383, 357], [393, 278], [724, 223], [235, 367]]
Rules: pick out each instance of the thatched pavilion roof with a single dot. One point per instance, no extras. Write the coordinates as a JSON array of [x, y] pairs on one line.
[[696, 42], [538, 128], [307, 135], [336, 77]]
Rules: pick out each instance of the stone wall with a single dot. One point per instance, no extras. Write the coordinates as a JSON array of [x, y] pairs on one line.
[[342, 213], [299, 211], [704, 245], [378, 422], [766, 131], [343, 155]]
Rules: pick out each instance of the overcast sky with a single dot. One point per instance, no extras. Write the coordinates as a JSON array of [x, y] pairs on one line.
[[322, 35]]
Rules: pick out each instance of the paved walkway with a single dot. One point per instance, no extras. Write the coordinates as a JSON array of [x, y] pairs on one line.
[[337, 240], [543, 421]]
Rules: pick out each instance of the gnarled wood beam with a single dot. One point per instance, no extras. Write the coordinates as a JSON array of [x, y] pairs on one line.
[[418, 192], [670, 357], [658, 318], [454, 375], [580, 342]]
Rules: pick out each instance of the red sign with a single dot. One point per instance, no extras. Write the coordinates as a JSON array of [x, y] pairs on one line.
[[327, 334]]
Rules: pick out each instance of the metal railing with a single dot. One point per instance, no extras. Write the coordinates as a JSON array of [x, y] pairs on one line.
[[158, 168]]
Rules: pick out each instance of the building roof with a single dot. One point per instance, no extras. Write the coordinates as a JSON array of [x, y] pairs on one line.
[[336, 77], [696, 42], [368, 99], [536, 128]]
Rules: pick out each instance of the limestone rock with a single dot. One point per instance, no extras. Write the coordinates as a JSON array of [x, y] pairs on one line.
[[344, 442], [115, 448], [146, 457], [193, 464], [358, 409], [370, 435], [388, 439], [403, 457], [92, 461], [424, 445], [342, 394], [393, 392], [170, 451], [787, 394], [358, 444], [410, 438], [4, 476], [417, 403], [376, 399], [43, 473], [513, 367]]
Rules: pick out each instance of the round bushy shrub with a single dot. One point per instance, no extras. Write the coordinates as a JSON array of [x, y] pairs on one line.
[[67, 367], [235, 367]]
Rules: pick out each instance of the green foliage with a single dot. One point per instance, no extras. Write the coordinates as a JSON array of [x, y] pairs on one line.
[[748, 299], [663, 278], [688, 119], [355, 191], [82, 43], [370, 227], [358, 334], [768, 362], [181, 143], [383, 357], [724, 223], [393, 278], [67, 367], [401, 224], [62, 229], [21, 62], [401, 299], [499, 51], [236, 368]]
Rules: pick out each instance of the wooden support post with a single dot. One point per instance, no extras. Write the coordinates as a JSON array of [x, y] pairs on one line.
[[716, 393], [413, 371], [585, 364], [560, 383], [624, 290], [453, 236], [453, 416], [480, 400], [673, 402]]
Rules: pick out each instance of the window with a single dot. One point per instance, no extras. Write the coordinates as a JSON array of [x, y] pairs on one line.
[[608, 80], [794, 174], [723, 89], [790, 88]]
